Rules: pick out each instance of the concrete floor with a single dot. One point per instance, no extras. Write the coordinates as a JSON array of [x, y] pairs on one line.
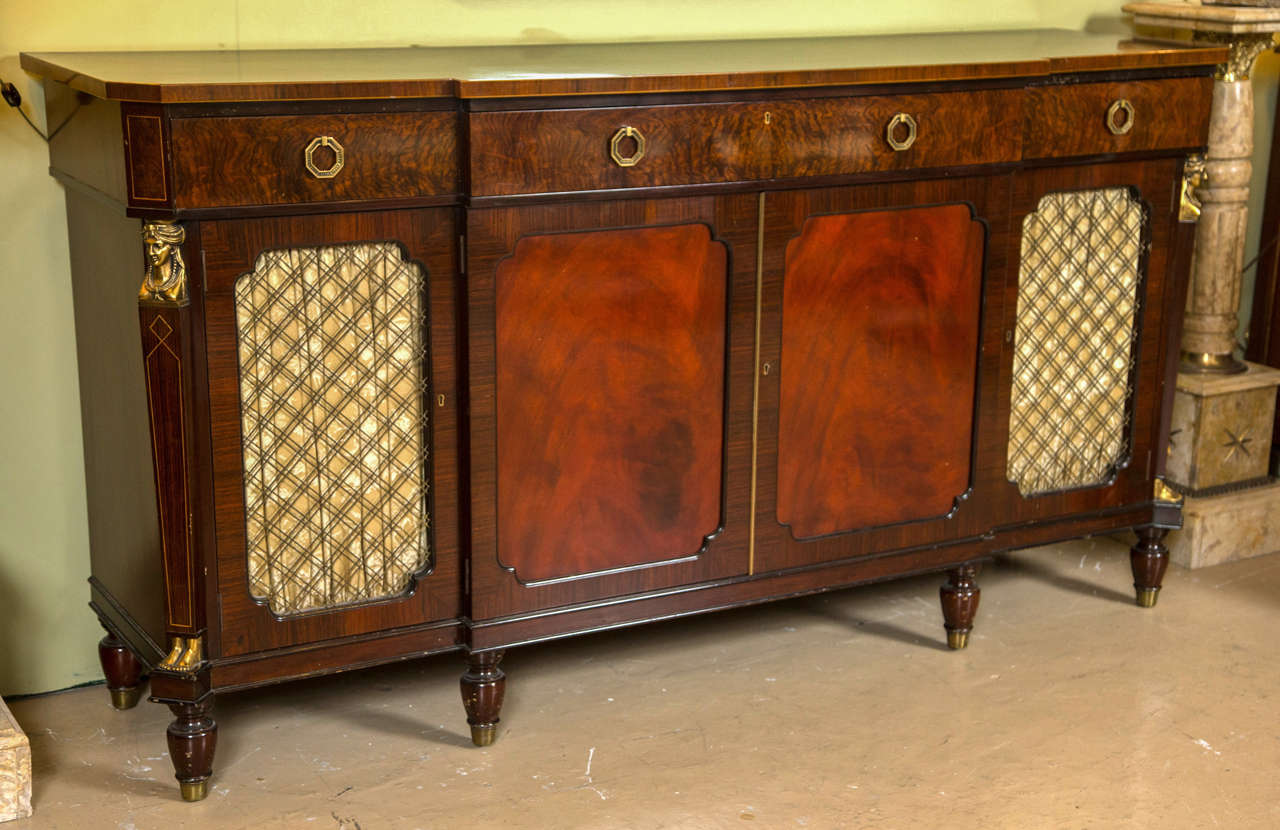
[[1071, 708]]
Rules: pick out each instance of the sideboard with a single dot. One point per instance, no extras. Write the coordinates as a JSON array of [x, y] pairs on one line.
[[387, 353]]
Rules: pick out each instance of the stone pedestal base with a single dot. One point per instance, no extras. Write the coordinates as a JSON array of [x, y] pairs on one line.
[[1220, 433], [15, 768], [1217, 529]]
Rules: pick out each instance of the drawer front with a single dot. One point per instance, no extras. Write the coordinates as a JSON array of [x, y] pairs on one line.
[[544, 151], [853, 135], [547, 151], [270, 160], [1090, 119]]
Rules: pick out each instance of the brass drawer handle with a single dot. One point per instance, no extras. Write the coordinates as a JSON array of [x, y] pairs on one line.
[[615, 147], [339, 156], [892, 131], [1120, 116]]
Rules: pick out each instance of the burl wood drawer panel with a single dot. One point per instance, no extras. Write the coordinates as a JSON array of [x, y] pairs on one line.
[[547, 151], [835, 136], [1123, 116], [262, 160]]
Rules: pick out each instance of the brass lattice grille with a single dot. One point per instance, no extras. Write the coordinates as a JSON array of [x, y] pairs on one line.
[[332, 381], [1073, 349]]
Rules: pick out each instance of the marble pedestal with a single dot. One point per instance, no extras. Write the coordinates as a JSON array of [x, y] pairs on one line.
[[1217, 529], [1219, 450], [15, 768], [1220, 433]]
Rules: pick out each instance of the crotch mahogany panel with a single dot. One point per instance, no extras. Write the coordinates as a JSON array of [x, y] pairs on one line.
[[610, 398], [880, 316]]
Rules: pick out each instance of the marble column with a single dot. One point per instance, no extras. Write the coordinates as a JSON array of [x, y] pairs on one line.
[[1213, 299], [1223, 409]]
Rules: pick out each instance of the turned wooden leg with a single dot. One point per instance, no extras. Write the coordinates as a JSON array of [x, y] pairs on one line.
[[1149, 558], [483, 685], [193, 736], [959, 604], [123, 671]]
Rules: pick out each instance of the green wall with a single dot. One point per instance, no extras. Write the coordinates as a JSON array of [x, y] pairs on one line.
[[47, 634]]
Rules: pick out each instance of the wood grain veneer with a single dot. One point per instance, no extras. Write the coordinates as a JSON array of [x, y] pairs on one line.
[[610, 356], [538, 151], [221, 162], [880, 321], [1070, 120], [581, 69]]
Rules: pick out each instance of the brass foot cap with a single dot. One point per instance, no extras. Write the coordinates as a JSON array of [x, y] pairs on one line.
[[194, 790], [957, 639], [484, 735], [1147, 597], [126, 698]]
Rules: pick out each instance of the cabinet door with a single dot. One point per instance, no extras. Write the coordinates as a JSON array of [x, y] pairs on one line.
[[879, 347], [1087, 309], [333, 400], [610, 376]]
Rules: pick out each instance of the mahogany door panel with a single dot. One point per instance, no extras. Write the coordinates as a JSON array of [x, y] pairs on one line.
[[610, 359], [333, 398], [1084, 373], [880, 313], [880, 345], [610, 349]]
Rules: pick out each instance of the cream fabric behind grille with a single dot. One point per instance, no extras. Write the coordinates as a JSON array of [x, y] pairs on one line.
[[331, 397], [1077, 306]]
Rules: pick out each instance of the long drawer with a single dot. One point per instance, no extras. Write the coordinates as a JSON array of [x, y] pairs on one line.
[[568, 150]]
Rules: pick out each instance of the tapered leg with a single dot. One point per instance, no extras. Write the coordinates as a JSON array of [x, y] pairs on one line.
[[1149, 558], [483, 686], [123, 671], [959, 604], [193, 736]]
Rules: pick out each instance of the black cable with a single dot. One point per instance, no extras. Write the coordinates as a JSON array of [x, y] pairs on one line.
[[13, 99], [1261, 253]]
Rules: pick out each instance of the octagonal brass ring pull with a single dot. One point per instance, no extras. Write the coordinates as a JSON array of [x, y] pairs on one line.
[[615, 145], [339, 157], [1120, 116], [892, 132]]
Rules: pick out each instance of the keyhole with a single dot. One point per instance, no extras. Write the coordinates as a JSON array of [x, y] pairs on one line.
[[439, 400], [768, 117], [765, 368]]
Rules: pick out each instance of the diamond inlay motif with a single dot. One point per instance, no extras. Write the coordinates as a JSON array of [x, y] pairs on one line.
[[160, 327], [332, 385], [1074, 340]]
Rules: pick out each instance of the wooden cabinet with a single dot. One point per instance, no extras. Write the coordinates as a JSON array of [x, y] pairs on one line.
[[455, 350]]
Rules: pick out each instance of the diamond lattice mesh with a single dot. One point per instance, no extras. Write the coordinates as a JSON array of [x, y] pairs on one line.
[[1073, 349], [331, 396]]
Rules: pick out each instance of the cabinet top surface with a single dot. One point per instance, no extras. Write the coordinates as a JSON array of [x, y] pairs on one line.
[[575, 69]]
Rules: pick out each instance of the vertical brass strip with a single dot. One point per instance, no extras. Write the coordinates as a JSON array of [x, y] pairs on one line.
[[755, 387]]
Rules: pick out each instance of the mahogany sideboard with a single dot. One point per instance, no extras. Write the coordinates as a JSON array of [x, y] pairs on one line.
[[457, 349]]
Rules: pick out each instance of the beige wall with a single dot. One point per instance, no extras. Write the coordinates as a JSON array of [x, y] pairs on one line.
[[47, 634]]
